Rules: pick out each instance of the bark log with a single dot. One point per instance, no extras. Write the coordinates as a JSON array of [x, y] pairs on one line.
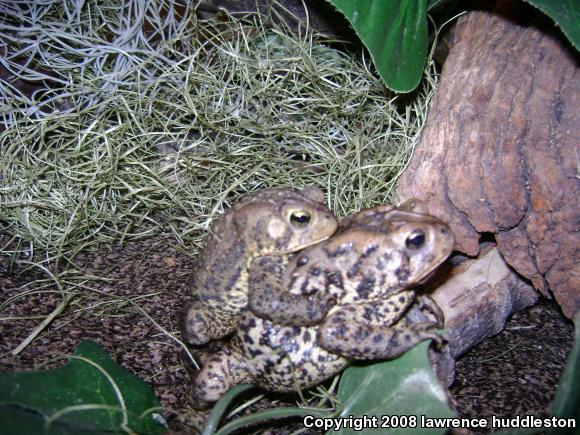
[[499, 153], [477, 297]]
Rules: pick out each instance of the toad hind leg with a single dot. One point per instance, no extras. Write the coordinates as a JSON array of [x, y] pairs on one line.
[[382, 312], [221, 372], [377, 343], [345, 334]]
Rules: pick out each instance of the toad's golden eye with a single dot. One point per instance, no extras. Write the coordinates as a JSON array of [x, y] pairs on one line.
[[416, 240], [300, 218]]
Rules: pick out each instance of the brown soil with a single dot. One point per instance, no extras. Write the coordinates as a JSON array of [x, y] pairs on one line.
[[513, 373], [156, 268]]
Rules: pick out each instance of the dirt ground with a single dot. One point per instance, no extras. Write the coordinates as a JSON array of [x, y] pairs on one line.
[[513, 373]]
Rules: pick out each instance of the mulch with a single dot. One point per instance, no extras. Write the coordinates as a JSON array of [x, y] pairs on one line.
[[513, 373]]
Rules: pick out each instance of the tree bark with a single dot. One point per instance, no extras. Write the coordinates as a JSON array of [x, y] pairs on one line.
[[499, 153], [477, 297]]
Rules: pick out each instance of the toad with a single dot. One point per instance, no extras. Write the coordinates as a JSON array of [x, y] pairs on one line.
[[290, 295], [271, 221]]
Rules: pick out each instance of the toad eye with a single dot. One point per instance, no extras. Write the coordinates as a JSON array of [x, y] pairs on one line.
[[416, 240], [300, 218]]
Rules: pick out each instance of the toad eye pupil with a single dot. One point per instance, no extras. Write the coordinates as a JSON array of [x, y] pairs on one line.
[[415, 240], [300, 219]]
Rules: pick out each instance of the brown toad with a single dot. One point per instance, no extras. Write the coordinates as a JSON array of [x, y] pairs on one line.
[[267, 222], [291, 295], [367, 269]]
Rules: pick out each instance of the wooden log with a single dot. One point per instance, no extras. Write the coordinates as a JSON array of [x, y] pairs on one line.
[[477, 297], [499, 154]]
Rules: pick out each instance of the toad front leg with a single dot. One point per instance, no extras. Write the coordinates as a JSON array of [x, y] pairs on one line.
[[269, 298], [375, 329], [200, 323]]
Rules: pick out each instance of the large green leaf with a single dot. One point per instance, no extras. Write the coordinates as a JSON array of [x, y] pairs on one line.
[[90, 393], [565, 13], [395, 33], [405, 386]]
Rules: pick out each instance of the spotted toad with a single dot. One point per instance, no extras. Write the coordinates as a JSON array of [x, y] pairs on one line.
[[291, 294], [268, 222]]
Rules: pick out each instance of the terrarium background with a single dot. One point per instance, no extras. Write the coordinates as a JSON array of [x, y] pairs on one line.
[[126, 130]]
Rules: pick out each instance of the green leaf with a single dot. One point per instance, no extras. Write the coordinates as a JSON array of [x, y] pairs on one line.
[[566, 15], [567, 401], [89, 393], [18, 420], [268, 416], [219, 409], [395, 33], [405, 386]]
